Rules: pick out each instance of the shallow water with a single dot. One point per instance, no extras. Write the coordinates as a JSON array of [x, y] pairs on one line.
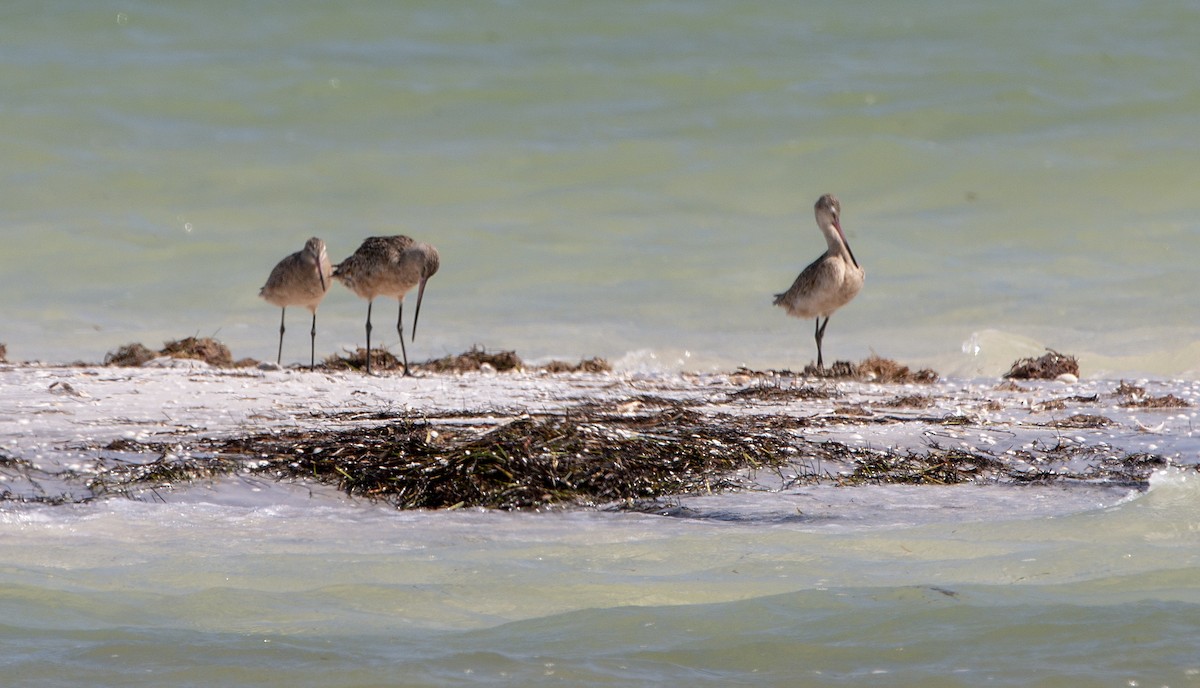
[[632, 182], [1042, 586], [248, 581]]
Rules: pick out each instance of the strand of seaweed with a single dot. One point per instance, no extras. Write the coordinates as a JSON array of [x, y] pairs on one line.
[[598, 456], [22, 481], [528, 462]]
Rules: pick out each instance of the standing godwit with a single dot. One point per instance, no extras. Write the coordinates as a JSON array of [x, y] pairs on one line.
[[389, 266], [830, 281], [301, 279]]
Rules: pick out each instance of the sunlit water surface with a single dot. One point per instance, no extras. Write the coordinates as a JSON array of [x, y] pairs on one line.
[[629, 181], [911, 586], [633, 181]]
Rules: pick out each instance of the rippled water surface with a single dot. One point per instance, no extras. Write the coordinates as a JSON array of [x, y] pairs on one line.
[[632, 181], [930, 587]]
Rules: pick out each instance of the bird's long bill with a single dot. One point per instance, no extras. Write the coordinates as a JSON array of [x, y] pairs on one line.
[[320, 257], [420, 295], [845, 243]]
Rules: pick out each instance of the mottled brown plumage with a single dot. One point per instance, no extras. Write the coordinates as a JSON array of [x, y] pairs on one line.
[[829, 282], [300, 279], [389, 266]]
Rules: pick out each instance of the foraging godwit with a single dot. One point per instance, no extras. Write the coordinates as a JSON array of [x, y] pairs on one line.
[[301, 279], [831, 280], [389, 266]]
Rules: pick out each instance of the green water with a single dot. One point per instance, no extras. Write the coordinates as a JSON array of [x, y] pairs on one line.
[[632, 180], [950, 587]]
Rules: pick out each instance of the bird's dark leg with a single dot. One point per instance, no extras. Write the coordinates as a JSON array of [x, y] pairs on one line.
[[312, 351], [279, 355], [820, 335], [369, 303], [400, 331]]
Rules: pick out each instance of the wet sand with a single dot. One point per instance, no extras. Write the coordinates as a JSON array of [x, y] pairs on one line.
[[73, 433]]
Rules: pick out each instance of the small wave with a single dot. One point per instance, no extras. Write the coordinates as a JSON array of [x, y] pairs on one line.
[[1175, 480]]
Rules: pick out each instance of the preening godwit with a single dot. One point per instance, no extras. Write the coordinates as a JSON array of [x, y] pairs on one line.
[[831, 280], [389, 266], [301, 279]]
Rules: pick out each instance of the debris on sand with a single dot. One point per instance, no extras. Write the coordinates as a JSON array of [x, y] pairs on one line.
[[551, 460], [782, 392], [1132, 396], [885, 370], [528, 462], [1048, 367], [909, 401], [1127, 390], [163, 472], [381, 359], [871, 369], [937, 467], [586, 365], [204, 349], [840, 370], [616, 454], [130, 356], [1081, 421], [474, 360], [1169, 401], [537, 442]]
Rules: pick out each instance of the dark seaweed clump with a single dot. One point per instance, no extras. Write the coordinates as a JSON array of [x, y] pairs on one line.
[[1081, 421], [130, 356], [165, 472], [474, 360], [529, 462], [204, 349], [586, 365], [871, 369], [887, 371], [909, 401], [1047, 367], [1132, 396], [619, 453], [840, 370], [938, 466], [381, 359], [774, 389]]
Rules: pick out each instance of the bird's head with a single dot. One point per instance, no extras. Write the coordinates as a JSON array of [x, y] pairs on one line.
[[315, 252]]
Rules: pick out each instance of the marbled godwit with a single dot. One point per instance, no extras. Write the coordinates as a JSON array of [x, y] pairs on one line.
[[301, 279], [830, 281], [389, 266]]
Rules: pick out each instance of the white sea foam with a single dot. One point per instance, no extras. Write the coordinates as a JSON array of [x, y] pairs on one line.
[[1181, 480]]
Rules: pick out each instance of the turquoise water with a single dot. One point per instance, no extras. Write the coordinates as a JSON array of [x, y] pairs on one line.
[[631, 180], [928, 587]]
